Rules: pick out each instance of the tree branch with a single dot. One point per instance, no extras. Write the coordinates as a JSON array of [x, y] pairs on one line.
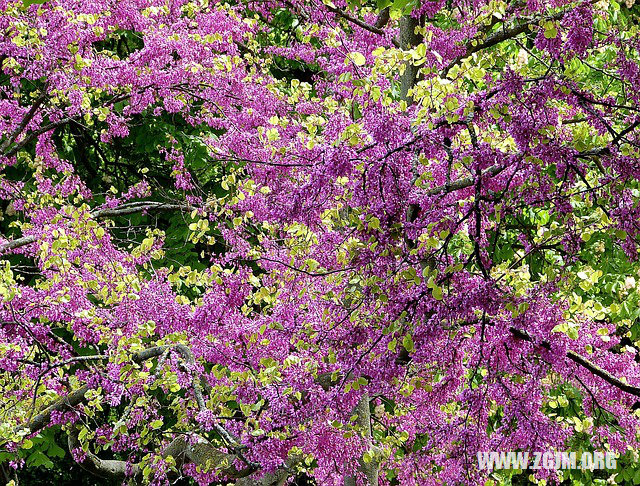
[[499, 36], [107, 469], [123, 210], [201, 453], [51, 126], [383, 18], [277, 478], [63, 404], [584, 362], [25, 121], [466, 182]]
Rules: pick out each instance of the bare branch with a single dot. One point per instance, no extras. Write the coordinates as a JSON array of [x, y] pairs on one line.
[[277, 478]]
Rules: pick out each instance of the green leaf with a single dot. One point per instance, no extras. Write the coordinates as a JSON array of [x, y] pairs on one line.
[[39, 459], [156, 424], [550, 30], [357, 58], [55, 450], [407, 342], [437, 293]]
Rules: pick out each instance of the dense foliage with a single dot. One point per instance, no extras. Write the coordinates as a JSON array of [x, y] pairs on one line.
[[341, 243]]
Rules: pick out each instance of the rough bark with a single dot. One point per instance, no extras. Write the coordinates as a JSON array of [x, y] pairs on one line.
[[369, 469], [201, 453], [277, 478], [408, 39]]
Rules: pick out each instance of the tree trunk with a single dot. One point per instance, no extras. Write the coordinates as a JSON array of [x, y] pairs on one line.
[[408, 39], [370, 469]]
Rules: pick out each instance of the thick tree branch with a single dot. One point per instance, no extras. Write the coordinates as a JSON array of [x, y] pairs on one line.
[[25, 121], [584, 362], [501, 35], [77, 396], [63, 404], [466, 182], [382, 19], [32, 135], [123, 210], [201, 453], [107, 469], [277, 478]]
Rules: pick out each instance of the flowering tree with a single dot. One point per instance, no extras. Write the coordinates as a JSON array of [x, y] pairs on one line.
[[247, 242]]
